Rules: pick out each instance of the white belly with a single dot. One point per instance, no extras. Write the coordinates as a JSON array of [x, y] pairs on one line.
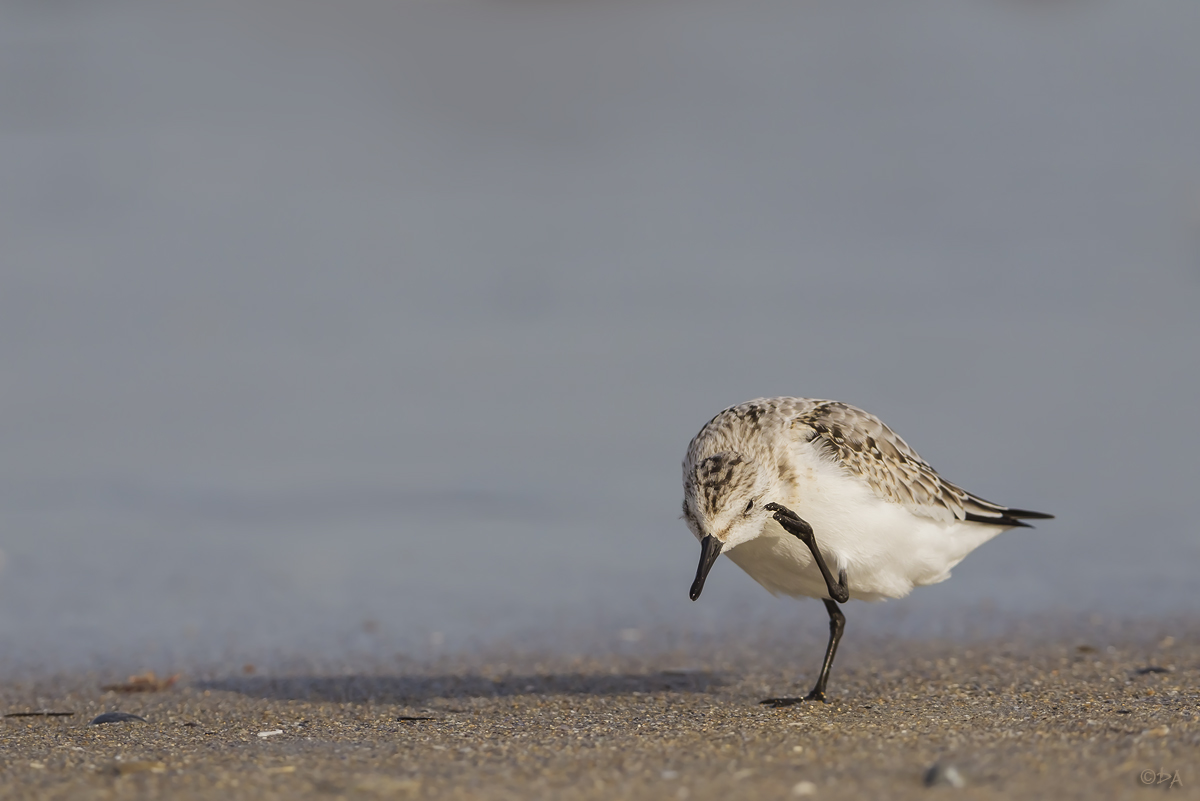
[[885, 549]]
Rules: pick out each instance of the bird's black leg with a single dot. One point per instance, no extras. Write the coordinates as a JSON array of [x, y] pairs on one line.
[[837, 624], [798, 528], [839, 591]]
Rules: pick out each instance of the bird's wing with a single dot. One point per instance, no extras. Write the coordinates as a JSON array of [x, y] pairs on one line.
[[864, 446]]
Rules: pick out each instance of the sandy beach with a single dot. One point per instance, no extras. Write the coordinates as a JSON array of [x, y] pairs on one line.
[[1094, 715]]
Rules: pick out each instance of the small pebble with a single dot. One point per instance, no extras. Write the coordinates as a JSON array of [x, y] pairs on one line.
[[804, 788], [271, 733], [114, 717], [944, 774]]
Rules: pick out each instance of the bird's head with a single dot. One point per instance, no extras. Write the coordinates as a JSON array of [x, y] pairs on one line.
[[724, 496]]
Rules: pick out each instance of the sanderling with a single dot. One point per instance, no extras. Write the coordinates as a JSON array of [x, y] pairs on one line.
[[789, 488]]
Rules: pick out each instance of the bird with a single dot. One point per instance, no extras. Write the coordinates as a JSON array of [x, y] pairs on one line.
[[820, 499]]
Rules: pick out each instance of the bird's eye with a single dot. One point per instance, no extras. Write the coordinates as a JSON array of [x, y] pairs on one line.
[[749, 506]]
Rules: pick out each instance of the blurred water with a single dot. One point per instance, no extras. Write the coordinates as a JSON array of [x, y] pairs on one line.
[[317, 313]]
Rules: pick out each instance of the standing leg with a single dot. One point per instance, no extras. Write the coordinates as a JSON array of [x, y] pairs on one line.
[[837, 624]]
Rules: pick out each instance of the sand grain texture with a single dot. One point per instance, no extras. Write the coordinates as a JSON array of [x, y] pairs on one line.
[[1050, 719]]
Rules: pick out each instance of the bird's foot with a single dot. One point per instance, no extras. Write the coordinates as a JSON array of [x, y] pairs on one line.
[[779, 703], [786, 517]]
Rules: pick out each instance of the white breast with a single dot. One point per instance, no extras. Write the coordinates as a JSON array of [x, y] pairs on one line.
[[884, 548]]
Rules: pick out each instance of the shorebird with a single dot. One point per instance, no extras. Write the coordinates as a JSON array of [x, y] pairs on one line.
[[796, 490]]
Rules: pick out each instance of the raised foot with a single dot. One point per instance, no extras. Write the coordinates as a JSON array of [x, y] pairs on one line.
[[801, 530], [779, 703], [782, 514]]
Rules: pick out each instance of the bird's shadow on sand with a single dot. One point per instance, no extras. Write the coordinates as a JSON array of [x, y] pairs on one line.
[[420, 689]]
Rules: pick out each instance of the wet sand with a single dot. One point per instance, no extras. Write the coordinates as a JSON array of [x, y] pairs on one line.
[[1077, 716]]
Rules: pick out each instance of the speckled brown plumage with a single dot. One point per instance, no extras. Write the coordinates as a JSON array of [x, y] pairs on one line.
[[863, 445]]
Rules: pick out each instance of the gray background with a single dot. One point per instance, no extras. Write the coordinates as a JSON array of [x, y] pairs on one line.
[[319, 313]]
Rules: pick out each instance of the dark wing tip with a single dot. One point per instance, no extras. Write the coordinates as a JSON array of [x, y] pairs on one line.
[[997, 520], [1025, 513], [1008, 517]]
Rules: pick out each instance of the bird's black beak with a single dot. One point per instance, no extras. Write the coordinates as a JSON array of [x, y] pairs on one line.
[[710, 549]]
